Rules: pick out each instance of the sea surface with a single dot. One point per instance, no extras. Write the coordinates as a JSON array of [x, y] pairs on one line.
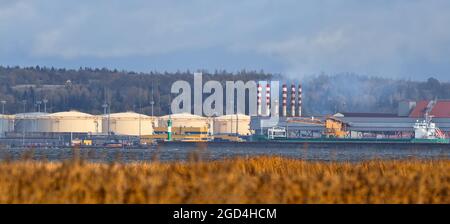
[[216, 151]]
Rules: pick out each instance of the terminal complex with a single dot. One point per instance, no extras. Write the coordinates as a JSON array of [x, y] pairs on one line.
[[413, 120], [213, 104]]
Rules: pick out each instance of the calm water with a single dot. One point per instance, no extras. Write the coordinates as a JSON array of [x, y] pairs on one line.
[[186, 151]]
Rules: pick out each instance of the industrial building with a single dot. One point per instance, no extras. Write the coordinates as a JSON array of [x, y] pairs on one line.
[[435, 108], [186, 134], [128, 123], [390, 124], [238, 124], [235, 127], [185, 127], [354, 125], [364, 125]]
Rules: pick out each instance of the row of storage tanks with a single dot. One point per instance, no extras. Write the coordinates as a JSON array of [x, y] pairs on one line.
[[126, 123]]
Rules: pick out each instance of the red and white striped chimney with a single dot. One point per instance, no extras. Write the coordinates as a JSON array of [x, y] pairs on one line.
[[292, 100], [299, 100], [259, 101], [268, 99], [284, 99]]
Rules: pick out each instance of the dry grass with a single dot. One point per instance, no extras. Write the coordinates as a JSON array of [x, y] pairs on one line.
[[254, 180]]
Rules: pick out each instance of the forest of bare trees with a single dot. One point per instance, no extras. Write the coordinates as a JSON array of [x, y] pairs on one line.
[[86, 89]]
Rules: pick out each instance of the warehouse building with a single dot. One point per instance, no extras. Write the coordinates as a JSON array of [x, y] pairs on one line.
[[400, 124], [435, 108]]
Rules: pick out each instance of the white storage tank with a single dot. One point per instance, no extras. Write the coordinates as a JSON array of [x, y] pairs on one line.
[[6, 124], [184, 120], [70, 121], [232, 124], [128, 123], [28, 122]]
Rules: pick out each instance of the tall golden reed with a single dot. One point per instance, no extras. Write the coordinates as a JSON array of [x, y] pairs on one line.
[[239, 180]]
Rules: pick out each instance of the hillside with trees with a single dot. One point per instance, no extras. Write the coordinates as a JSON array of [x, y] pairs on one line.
[[87, 89]]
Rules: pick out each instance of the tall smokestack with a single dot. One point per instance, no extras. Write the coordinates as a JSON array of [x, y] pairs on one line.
[[292, 100], [277, 108], [268, 99], [259, 101], [299, 100], [284, 113]]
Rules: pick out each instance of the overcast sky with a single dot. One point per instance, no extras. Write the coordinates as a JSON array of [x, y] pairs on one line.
[[390, 38]]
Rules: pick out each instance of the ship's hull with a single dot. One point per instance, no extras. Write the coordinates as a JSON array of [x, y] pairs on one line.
[[322, 141], [354, 140]]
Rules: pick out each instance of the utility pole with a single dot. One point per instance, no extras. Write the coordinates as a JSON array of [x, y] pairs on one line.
[[3, 112], [140, 111], [107, 108], [109, 118], [3, 106], [231, 124], [39, 105], [45, 105], [152, 102], [106, 113], [104, 108], [23, 134], [24, 102], [237, 124]]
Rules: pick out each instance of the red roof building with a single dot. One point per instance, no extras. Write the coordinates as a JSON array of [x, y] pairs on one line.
[[441, 109]]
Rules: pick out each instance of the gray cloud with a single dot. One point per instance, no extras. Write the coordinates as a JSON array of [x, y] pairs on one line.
[[378, 41], [397, 38]]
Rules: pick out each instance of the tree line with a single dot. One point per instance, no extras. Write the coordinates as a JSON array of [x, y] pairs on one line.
[[87, 89], [24, 89]]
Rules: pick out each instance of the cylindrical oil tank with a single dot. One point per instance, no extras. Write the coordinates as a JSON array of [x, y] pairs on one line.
[[70, 121], [232, 124], [128, 123], [184, 120], [6, 124], [28, 122]]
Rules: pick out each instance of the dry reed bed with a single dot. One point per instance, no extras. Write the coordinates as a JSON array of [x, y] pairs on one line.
[[240, 180]]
